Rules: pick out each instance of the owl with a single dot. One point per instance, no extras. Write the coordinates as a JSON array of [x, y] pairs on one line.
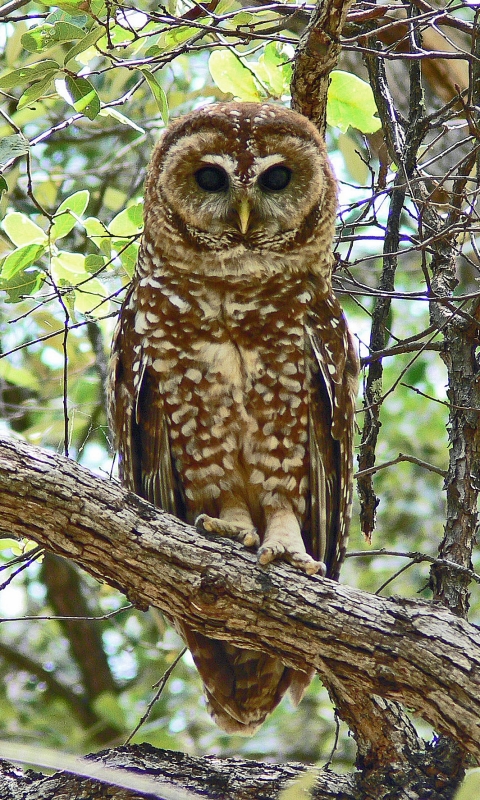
[[233, 374]]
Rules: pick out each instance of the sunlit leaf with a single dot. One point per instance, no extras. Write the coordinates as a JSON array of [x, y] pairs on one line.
[[178, 35], [99, 235], [128, 256], [158, 93], [47, 35], [89, 297], [20, 259], [20, 285], [115, 114], [273, 69], [84, 97], [18, 376], [351, 102], [470, 787], [69, 267], [128, 222], [13, 146], [7, 544], [231, 76], [27, 74], [36, 90], [21, 230], [64, 221], [84, 44]]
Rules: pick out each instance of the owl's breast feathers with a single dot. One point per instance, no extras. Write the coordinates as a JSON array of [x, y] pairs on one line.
[[239, 389]]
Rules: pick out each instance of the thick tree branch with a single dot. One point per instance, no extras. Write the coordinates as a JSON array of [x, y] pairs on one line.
[[317, 55], [210, 777], [410, 651]]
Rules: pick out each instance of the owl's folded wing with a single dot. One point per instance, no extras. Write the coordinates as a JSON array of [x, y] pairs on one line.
[[139, 424], [333, 369]]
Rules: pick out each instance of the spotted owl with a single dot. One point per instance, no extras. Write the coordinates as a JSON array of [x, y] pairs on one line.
[[233, 374]]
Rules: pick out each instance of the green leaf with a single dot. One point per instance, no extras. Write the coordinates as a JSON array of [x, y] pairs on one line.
[[19, 376], [23, 283], [3, 185], [93, 263], [178, 35], [47, 35], [231, 76], [158, 93], [27, 74], [128, 256], [351, 102], [7, 544], [21, 230], [85, 99], [99, 235], [87, 41], [13, 146], [36, 90], [273, 69], [70, 6], [470, 787], [64, 221], [128, 222], [68, 267], [20, 259], [115, 114], [90, 298]]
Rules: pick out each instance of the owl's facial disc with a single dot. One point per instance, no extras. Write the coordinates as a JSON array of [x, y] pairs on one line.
[[248, 192], [243, 201]]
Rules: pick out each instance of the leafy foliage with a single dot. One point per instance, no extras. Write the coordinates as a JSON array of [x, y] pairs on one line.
[[86, 89]]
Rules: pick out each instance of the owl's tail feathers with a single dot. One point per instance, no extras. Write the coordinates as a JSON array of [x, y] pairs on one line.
[[242, 687]]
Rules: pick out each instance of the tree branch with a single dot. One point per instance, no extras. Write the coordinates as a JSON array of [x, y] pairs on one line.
[[212, 777], [406, 650], [316, 56]]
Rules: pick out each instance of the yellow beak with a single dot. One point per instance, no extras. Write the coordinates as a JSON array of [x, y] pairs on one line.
[[244, 212]]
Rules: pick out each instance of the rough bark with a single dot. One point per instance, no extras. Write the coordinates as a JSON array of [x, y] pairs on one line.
[[414, 652], [316, 55], [212, 777]]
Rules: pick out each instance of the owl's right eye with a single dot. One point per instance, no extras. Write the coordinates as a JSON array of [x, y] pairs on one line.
[[212, 179]]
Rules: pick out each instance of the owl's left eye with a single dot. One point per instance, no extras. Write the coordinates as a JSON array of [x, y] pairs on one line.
[[212, 179], [276, 178]]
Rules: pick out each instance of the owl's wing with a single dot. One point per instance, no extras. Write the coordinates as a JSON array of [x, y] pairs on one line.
[[138, 421], [333, 368]]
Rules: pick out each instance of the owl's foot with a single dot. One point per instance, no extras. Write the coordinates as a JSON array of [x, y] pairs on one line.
[[274, 550], [283, 540], [221, 527]]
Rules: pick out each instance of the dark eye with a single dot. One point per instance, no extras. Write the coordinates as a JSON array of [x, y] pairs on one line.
[[276, 178], [212, 179]]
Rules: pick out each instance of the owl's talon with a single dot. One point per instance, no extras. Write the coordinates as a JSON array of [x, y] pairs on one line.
[[302, 561], [220, 527], [204, 523]]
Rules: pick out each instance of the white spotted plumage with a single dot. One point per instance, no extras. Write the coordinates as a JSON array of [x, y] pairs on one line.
[[233, 374]]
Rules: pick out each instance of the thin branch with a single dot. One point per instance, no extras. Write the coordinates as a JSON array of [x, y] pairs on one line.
[[401, 457]]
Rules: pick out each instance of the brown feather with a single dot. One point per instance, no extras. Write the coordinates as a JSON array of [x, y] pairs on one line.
[[233, 376]]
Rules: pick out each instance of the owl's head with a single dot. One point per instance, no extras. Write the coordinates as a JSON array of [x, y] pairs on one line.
[[247, 176]]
